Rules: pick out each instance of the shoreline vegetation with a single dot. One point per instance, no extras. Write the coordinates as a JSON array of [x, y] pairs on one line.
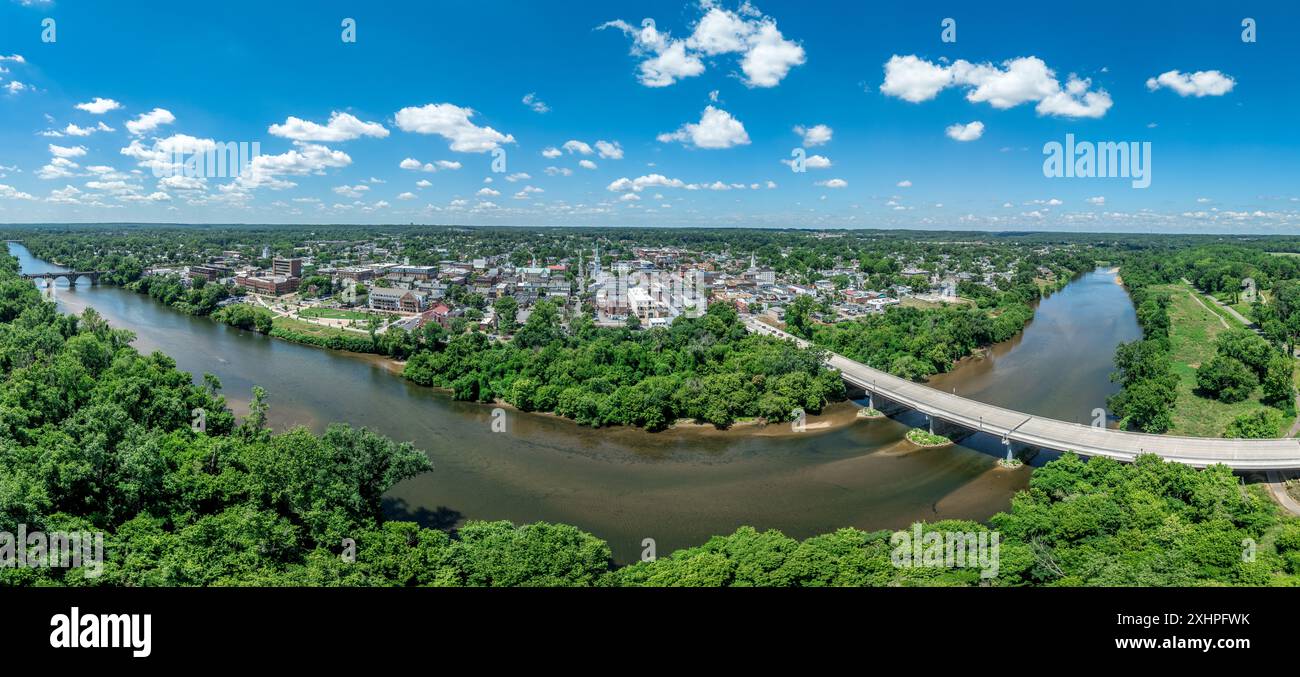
[[1198, 371]]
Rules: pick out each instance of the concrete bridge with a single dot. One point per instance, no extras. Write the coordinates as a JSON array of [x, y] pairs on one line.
[[71, 276], [1019, 428]]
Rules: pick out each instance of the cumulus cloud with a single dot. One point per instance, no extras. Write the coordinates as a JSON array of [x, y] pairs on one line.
[[811, 162], [352, 191], [1198, 84], [766, 56], [99, 106], [341, 127], [67, 151], [815, 135], [416, 166], [586, 164], [452, 123], [74, 130], [640, 183], [833, 183], [716, 129], [538, 106], [1013, 82], [147, 122], [966, 132], [11, 193], [575, 146], [609, 150]]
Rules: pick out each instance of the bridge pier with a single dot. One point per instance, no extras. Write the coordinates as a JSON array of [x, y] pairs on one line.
[[947, 429], [884, 405], [1018, 451]]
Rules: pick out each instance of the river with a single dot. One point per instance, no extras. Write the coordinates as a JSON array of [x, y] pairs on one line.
[[678, 487]]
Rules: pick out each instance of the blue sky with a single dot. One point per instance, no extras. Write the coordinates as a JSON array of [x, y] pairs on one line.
[[696, 114]]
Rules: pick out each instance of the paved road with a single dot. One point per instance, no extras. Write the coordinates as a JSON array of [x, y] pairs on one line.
[[1038, 431], [1277, 486]]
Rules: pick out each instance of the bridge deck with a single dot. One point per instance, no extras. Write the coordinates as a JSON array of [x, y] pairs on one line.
[[1039, 431]]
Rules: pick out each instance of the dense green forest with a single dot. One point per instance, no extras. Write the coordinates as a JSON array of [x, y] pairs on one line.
[[709, 369], [94, 436]]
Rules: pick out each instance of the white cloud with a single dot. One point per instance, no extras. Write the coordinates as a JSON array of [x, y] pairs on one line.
[[913, 79], [452, 123], [609, 150], [487, 192], [770, 57], [586, 164], [305, 158], [538, 106], [99, 106], [833, 183], [341, 127], [527, 191], [1198, 84], [552, 152], [518, 176], [406, 196], [811, 162], [15, 86], [642, 182], [58, 168], [815, 135], [966, 132], [67, 151], [716, 129], [575, 146], [1099, 200], [147, 122], [352, 191], [416, 166], [904, 184], [11, 193], [74, 130], [767, 56], [423, 183], [558, 171], [1014, 82]]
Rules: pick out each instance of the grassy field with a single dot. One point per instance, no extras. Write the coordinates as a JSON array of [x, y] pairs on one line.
[[1194, 329], [334, 313], [309, 328]]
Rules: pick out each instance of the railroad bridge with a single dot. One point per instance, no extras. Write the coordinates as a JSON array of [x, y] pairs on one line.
[[71, 276]]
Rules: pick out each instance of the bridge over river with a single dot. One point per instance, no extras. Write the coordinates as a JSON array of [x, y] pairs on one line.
[[1015, 427], [71, 276]]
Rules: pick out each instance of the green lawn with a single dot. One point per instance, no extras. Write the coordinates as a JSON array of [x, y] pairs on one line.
[[1193, 330], [334, 313], [309, 328]]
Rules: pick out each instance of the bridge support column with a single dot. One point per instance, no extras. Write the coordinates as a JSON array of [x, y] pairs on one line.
[[1018, 452], [948, 429], [883, 405]]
